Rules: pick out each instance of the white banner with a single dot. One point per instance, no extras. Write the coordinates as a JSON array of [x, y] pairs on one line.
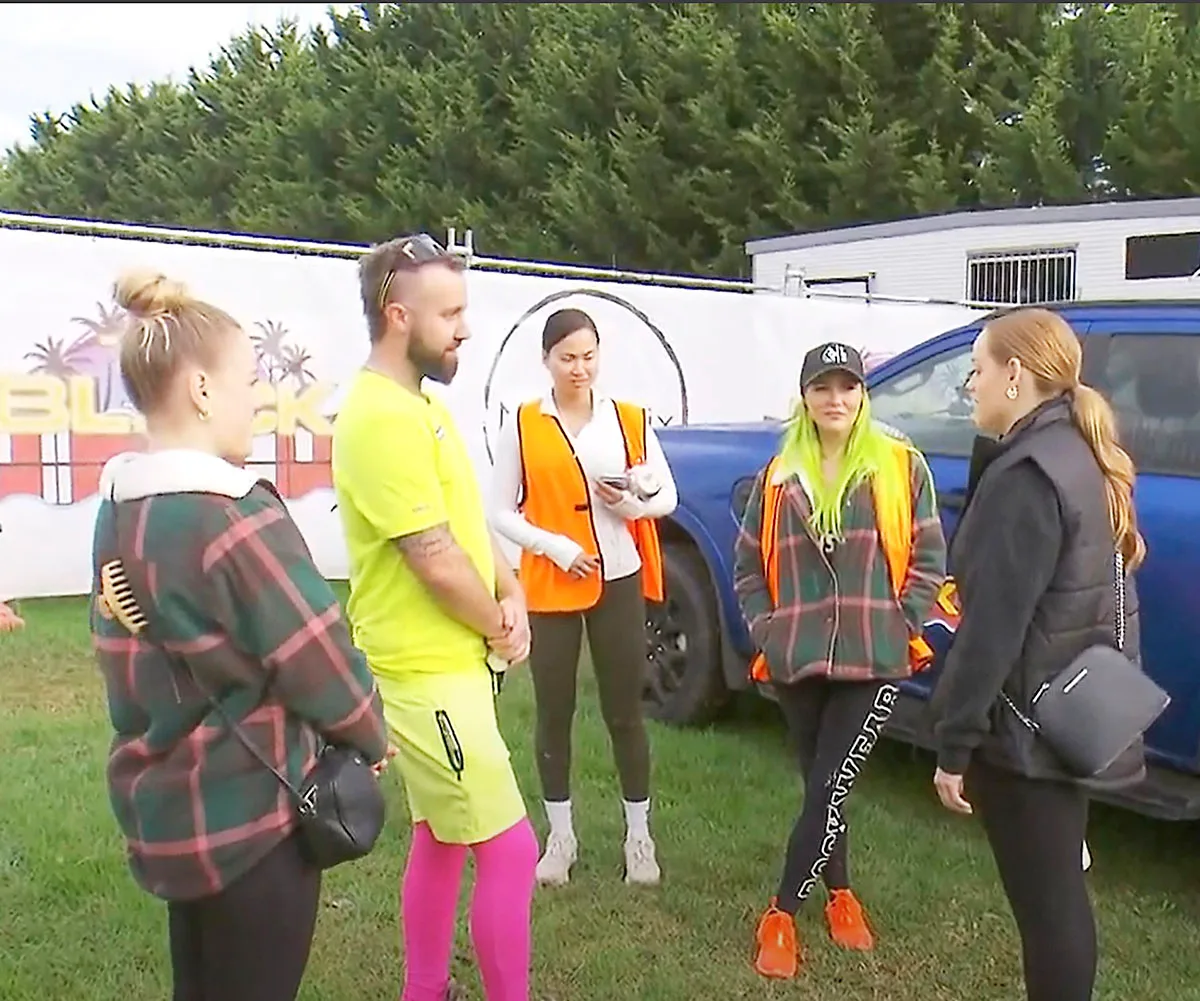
[[693, 356]]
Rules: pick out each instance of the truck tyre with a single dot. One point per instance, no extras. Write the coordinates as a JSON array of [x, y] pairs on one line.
[[684, 681]]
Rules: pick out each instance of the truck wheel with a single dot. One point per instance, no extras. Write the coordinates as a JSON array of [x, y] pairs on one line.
[[684, 682]]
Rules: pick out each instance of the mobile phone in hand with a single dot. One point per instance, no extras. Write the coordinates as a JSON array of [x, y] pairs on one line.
[[616, 482]]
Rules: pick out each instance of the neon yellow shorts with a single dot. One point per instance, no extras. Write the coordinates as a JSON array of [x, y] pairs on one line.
[[451, 755]]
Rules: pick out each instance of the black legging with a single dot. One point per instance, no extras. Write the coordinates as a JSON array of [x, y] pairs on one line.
[[616, 631], [1036, 830], [251, 941], [835, 724]]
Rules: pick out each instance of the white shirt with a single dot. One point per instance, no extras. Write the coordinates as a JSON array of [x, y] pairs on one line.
[[600, 449]]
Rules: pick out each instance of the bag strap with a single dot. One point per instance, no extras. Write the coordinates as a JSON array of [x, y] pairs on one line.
[[1119, 635], [149, 631], [301, 801], [1119, 584]]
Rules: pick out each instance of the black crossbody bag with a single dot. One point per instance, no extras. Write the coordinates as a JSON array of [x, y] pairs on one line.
[[1095, 709], [340, 809]]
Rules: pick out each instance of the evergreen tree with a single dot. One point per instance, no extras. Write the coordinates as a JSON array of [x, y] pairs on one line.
[[655, 136]]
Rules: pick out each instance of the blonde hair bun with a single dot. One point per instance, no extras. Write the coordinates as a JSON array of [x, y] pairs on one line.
[[148, 293]]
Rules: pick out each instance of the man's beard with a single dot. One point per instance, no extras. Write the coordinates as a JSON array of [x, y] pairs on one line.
[[440, 366]]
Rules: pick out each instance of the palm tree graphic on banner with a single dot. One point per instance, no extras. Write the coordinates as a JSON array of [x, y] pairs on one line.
[[94, 353], [55, 358]]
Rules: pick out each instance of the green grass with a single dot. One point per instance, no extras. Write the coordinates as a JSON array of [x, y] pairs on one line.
[[73, 925]]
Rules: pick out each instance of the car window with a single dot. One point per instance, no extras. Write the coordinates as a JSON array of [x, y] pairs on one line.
[[1153, 383], [929, 403]]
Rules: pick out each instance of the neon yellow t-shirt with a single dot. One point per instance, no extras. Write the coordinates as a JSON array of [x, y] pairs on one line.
[[401, 467]]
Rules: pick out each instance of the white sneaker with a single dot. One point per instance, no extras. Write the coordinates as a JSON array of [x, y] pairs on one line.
[[641, 866], [554, 867]]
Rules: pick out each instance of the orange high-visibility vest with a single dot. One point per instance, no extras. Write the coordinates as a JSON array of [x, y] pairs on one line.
[[555, 497], [894, 518]]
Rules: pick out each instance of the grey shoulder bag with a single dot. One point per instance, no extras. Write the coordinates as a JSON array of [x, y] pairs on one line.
[[1095, 709]]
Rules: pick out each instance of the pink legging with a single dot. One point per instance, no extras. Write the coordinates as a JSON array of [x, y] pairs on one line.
[[500, 906]]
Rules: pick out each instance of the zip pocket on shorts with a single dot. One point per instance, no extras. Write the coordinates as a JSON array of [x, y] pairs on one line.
[[454, 753]]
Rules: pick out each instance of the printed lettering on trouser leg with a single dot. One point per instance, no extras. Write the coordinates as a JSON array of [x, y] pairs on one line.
[[843, 780]]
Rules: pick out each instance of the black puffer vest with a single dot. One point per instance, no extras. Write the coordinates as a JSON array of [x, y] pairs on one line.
[[1078, 608]]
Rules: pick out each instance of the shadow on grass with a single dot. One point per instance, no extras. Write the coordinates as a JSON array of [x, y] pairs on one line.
[[41, 669], [1129, 850]]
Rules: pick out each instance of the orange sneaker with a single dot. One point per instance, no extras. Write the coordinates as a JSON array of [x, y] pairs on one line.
[[778, 954], [847, 923]]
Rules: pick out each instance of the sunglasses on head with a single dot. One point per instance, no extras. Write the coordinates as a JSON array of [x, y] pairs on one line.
[[414, 251]]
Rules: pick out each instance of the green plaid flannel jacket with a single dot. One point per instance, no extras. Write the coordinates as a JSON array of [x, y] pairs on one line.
[[239, 605], [837, 614]]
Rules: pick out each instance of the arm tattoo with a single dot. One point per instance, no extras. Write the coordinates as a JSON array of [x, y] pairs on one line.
[[430, 544]]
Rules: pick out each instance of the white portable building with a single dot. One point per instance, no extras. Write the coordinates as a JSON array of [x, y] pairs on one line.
[[1054, 253]]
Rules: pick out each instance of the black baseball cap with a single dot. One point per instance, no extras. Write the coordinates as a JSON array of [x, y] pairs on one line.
[[831, 357]]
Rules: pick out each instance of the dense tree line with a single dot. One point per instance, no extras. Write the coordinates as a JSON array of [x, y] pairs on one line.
[[646, 135]]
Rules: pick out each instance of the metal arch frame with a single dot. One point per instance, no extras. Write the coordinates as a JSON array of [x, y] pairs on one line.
[[616, 300]]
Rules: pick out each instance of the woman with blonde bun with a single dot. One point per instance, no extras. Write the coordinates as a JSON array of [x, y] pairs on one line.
[[200, 553]]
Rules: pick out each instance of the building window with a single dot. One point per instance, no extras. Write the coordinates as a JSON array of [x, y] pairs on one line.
[[1009, 278], [1162, 255]]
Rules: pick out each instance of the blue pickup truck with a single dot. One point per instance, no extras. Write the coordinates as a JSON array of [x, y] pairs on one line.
[[1144, 356]]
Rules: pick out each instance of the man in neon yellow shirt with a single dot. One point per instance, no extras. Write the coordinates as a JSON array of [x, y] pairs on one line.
[[431, 597]]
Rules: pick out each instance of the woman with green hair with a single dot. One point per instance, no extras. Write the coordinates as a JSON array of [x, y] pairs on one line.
[[838, 563]]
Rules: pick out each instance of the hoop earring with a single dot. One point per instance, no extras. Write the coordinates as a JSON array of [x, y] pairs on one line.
[[202, 414], [1011, 392]]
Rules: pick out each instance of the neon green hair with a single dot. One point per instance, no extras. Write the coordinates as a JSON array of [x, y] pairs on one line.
[[866, 451]]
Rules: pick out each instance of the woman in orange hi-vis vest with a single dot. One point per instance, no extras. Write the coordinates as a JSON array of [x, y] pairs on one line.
[[578, 483], [837, 567]]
